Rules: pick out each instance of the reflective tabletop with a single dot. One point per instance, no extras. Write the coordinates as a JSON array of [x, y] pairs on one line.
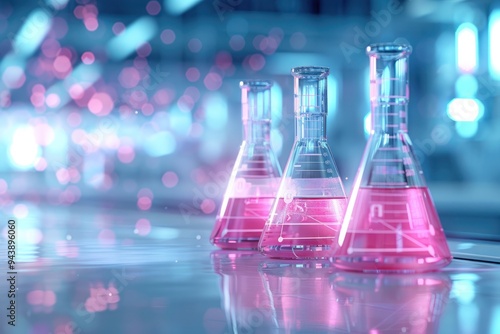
[[87, 269]]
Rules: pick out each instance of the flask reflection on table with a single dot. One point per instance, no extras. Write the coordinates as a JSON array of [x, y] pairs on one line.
[[244, 298], [376, 303], [301, 295]]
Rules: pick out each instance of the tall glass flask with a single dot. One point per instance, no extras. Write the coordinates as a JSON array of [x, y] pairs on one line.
[[255, 176], [391, 223], [311, 200]]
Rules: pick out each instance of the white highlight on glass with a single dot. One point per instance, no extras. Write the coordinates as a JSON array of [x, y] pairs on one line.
[[494, 46], [466, 48]]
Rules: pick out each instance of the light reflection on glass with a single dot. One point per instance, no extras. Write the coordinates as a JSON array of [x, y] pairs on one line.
[[373, 303], [301, 296], [245, 301]]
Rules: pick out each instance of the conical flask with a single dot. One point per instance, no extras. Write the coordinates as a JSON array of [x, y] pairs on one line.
[[390, 223], [306, 215], [255, 177]]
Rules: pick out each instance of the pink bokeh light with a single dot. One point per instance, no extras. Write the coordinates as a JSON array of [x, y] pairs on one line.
[[170, 179], [167, 36], [62, 64], [101, 104], [106, 237], [153, 8], [126, 154], [53, 100], [88, 57], [142, 227], [192, 74], [44, 134], [212, 81], [144, 203], [129, 77], [118, 28]]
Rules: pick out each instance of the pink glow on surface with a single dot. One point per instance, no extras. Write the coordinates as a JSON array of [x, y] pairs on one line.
[[42, 298], [169, 179], [212, 81], [118, 28], [67, 249], [142, 227], [52, 100], [167, 36], [144, 203], [44, 134], [126, 154], [102, 299], [129, 77], [192, 74], [101, 104], [88, 58], [153, 8], [106, 237]]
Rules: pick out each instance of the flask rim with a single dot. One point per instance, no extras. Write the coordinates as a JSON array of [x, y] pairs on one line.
[[389, 49], [256, 84], [310, 71]]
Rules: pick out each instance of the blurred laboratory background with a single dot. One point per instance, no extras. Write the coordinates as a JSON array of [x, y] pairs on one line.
[[137, 103]]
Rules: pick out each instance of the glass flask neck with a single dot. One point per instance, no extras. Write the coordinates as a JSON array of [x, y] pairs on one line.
[[310, 93], [389, 89], [256, 110]]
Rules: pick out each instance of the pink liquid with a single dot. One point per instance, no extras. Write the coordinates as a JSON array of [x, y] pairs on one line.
[[303, 228], [393, 230], [241, 225]]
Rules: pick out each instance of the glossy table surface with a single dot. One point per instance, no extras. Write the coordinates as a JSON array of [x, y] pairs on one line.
[[83, 269]]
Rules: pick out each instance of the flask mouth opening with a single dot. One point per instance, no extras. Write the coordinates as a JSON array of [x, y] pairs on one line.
[[310, 71], [256, 84], [389, 49]]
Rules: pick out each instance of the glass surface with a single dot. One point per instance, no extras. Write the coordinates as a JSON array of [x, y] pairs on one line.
[[255, 177], [391, 223], [106, 269], [311, 200]]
